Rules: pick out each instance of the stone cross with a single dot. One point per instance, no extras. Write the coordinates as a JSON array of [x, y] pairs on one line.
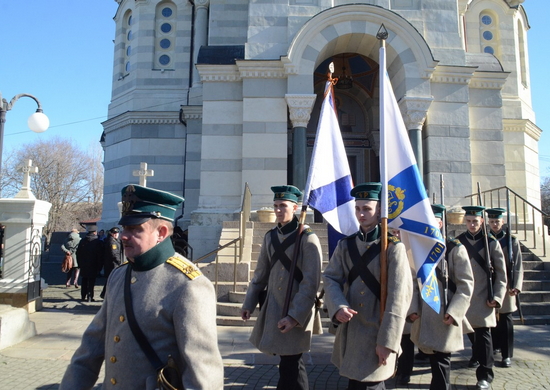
[[27, 170], [143, 172]]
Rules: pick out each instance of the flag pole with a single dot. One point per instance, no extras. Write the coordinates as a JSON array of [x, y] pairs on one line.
[[301, 223], [382, 35]]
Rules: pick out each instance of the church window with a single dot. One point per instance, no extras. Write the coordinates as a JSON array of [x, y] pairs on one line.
[[489, 34], [128, 48], [165, 35]]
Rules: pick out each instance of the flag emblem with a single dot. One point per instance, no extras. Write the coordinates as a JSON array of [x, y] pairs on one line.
[[396, 197]]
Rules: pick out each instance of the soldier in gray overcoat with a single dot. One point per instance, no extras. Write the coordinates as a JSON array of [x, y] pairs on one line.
[[174, 305], [440, 334], [482, 311], [503, 333], [287, 336], [365, 348]]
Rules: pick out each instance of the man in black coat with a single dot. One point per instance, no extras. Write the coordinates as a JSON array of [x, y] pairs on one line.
[[113, 254], [90, 256]]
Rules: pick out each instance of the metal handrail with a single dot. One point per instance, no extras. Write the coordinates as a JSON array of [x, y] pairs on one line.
[[244, 216], [524, 205]]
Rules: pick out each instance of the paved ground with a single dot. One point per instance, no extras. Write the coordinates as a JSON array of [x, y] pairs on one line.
[[39, 363]]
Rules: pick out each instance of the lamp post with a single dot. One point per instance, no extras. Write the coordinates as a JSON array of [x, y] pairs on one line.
[[38, 122]]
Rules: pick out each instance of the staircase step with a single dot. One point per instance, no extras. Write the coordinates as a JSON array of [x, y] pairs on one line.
[[535, 296], [237, 296], [229, 309], [535, 285], [533, 265], [536, 275], [234, 321], [532, 320], [535, 309]]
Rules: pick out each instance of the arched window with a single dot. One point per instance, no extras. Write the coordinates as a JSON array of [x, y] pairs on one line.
[[165, 36], [128, 41], [489, 34], [522, 53]]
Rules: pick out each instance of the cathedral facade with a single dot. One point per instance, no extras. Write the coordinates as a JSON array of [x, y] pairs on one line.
[[214, 94]]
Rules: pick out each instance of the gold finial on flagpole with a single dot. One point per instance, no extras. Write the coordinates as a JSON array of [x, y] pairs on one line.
[[333, 80]]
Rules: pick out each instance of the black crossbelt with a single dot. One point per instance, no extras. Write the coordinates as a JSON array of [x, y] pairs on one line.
[[441, 278], [280, 255], [361, 264], [473, 251]]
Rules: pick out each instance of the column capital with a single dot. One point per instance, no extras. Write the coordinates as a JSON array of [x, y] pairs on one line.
[[202, 3], [414, 111], [300, 107]]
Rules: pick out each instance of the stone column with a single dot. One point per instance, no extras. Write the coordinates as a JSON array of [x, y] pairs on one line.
[[300, 107], [200, 39], [414, 111]]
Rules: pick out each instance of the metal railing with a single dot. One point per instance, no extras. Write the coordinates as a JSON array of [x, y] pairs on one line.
[[238, 243], [501, 196]]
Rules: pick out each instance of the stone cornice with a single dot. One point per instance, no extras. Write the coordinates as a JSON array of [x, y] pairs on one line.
[[219, 73], [415, 110], [489, 80], [452, 74], [141, 118], [192, 112], [261, 69], [300, 107], [522, 126]]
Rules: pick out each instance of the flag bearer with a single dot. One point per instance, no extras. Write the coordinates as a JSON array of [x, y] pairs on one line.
[[275, 334], [366, 347]]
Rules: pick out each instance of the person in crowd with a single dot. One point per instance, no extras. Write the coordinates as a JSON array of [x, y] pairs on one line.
[[503, 333], [489, 275], [366, 346], [161, 293], [285, 334], [113, 254], [69, 247], [440, 334], [90, 254]]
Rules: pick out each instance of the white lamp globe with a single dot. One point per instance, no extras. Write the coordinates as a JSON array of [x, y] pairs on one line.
[[38, 122]]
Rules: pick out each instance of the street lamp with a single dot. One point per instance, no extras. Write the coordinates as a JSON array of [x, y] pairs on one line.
[[38, 122]]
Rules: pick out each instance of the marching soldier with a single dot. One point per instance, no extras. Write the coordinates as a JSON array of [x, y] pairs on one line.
[[365, 349], [482, 311], [503, 334], [438, 335], [287, 336], [157, 299]]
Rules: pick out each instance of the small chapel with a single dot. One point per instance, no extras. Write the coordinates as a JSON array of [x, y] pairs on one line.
[[210, 95]]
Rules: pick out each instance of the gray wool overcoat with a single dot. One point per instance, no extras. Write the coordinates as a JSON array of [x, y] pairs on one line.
[[177, 314], [509, 302], [479, 314], [354, 351], [265, 335], [429, 332]]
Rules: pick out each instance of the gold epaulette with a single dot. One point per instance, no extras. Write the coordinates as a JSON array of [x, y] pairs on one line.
[[455, 241], [393, 239], [185, 266], [308, 231]]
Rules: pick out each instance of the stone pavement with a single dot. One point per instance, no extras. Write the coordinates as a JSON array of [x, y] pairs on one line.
[[39, 362]]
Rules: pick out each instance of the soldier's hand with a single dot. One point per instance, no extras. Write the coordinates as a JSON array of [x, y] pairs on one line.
[[245, 314], [345, 314], [413, 317], [383, 354], [448, 320], [286, 324], [493, 303], [513, 292]]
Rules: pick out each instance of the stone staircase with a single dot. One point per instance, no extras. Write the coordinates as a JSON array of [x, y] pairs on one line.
[[535, 297]]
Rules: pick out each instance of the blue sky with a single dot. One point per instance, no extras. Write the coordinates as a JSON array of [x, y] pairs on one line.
[[61, 51]]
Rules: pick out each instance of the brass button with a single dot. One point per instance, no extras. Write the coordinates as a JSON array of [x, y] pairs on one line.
[[113, 381], [117, 339], [280, 288], [282, 268], [362, 281], [133, 280], [121, 318], [361, 305], [362, 293], [113, 359], [280, 278]]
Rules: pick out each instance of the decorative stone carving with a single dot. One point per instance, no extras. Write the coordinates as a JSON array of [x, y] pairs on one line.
[[300, 107], [414, 111]]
